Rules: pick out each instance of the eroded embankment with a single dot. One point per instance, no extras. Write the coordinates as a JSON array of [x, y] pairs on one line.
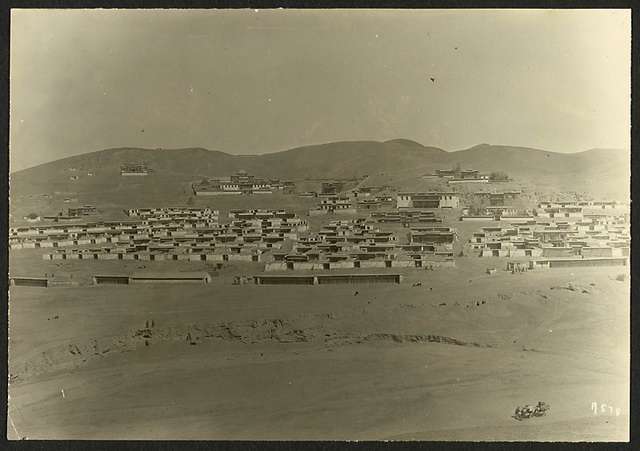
[[291, 330]]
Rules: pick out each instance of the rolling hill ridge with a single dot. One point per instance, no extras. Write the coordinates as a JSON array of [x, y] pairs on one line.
[[604, 172]]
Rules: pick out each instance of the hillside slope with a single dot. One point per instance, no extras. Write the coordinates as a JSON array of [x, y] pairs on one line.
[[604, 172]]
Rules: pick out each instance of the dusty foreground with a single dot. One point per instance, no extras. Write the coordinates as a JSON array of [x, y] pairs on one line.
[[449, 360]]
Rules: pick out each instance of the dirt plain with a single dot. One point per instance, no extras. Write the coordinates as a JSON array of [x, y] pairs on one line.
[[448, 360]]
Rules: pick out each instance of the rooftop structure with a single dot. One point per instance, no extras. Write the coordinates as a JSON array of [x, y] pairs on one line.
[[332, 188], [332, 279], [433, 235], [133, 169], [334, 205], [428, 200], [404, 217], [240, 183]]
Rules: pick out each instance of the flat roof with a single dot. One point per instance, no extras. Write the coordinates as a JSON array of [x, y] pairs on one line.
[[332, 274], [546, 259], [169, 275]]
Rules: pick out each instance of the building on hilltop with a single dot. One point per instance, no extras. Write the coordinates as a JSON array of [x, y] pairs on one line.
[[458, 176], [470, 174], [240, 183], [139, 169], [445, 173]]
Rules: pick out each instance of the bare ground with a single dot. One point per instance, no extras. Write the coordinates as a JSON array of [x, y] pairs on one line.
[[449, 360]]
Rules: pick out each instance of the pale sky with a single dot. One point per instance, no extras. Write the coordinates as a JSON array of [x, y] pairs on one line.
[[252, 82]]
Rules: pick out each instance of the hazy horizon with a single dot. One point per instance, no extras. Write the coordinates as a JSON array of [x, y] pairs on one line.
[[257, 82]]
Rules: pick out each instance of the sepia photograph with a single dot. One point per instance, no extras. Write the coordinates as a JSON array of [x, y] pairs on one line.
[[319, 225]]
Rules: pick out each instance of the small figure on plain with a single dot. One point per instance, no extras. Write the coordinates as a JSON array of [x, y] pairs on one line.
[[430, 288], [146, 324], [152, 322], [356, 293]]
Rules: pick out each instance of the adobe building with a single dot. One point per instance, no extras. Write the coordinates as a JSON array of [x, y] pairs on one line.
[[332, 279], [334, 205], [469, 176], [578, 262], [446, 173], [240, 183], [405, 217], [166, 277], [433, 235], [29, 282], [499, 199], [331, 188], [428, 200], [134, 169]]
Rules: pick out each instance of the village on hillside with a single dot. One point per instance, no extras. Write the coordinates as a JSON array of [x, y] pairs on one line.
[[361, 228]]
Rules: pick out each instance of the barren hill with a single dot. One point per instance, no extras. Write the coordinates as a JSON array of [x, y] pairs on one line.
[[599, 171]]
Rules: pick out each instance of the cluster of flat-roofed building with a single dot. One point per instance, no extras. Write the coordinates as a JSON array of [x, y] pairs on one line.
[[350, 203], [359, 199], [499, 209], [593, 231], [585, 233], [355, 243], [166, 234], [72, 214], [241, 183]]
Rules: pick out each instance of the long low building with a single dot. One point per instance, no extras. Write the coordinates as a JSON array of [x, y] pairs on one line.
[[200, 277], [434, 261], [110, 280], [577, 262], [327, 279], [29, 282], [428, 200]]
